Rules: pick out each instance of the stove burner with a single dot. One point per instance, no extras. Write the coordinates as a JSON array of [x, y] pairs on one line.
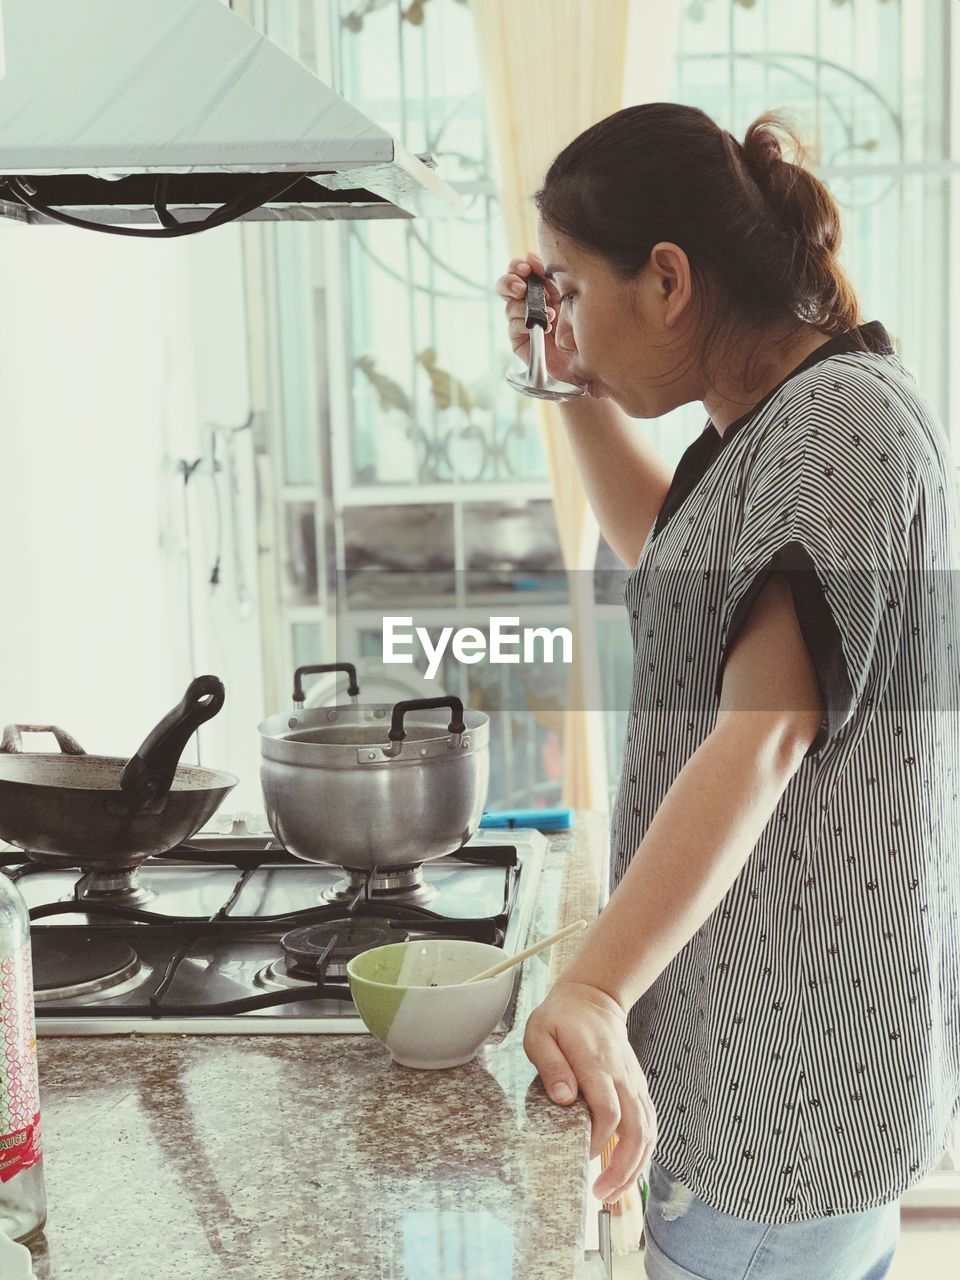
[[302, 948], [119, 885], [390, 884], [91, 965]]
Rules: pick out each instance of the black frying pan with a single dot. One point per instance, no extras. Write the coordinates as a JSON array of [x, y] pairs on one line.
[[78, 810]]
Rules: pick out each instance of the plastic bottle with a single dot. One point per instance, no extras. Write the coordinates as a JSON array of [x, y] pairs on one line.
[[23, 1201]]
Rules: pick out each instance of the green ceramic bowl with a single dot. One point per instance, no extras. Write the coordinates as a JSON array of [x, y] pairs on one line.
[[404, 994]]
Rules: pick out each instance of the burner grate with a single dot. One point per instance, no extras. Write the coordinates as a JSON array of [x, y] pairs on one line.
[[186, 938]]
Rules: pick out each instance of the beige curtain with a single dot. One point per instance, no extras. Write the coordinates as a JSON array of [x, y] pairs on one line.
[[552, 68]]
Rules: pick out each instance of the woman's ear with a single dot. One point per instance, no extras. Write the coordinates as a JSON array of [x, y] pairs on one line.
[[671, 272]]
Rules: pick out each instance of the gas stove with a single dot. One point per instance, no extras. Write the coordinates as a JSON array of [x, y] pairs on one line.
[[230, 934]]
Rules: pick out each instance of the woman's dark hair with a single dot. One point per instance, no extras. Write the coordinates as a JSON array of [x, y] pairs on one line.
[[761, 233]]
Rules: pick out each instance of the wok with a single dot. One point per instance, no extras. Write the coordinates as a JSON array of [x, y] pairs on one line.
[[79, 810]]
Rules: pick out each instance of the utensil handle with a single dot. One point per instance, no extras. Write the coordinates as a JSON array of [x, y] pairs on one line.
[[535, 310], [148, 774], [542, 945]]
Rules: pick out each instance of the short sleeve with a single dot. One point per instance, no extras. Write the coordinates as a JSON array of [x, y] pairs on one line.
[[825, 500]]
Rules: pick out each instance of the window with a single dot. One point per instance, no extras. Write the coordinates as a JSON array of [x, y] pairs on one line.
[[389, 409], [395, 447]]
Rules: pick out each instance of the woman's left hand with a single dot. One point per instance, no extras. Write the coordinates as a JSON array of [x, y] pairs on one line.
[[577, 1038]]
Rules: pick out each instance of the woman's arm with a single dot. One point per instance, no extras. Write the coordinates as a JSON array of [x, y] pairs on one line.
[[716, 810], [695, 847], [708, 822], [625, 478], [704, 830]]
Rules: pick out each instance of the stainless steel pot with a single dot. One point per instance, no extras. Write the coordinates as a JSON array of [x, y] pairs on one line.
[[375, 785]]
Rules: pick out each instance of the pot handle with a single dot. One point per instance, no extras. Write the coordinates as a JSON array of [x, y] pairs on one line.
[[11, 738], [456, 725], [353, 689], [148, 774]]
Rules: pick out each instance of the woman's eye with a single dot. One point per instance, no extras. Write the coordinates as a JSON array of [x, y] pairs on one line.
[[568, 297]]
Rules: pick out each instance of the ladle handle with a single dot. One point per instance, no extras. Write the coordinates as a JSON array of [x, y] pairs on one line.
[[536, 302]]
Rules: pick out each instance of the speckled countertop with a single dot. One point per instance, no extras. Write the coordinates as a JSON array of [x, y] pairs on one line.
[[306, 1157]]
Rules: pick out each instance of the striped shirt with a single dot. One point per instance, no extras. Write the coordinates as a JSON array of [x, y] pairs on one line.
[[803, 1048]]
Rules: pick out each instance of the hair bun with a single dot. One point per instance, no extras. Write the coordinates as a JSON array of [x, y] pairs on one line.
[[798, 198], [761, 150], [763, 154]]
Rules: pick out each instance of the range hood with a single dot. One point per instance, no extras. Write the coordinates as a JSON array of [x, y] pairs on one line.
[[181, 115]]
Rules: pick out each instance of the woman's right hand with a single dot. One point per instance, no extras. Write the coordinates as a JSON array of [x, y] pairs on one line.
[[512, 287], [577, 1039]]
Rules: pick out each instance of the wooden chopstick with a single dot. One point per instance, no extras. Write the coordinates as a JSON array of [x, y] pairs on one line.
[[509, 961]]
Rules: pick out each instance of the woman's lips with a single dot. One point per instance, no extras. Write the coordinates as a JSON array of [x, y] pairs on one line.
[[591, 386]]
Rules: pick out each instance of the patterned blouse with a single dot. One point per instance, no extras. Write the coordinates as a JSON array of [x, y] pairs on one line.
[[803, 1048]]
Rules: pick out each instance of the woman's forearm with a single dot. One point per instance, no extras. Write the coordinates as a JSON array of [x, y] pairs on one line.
[[695, 847], [624, 476]]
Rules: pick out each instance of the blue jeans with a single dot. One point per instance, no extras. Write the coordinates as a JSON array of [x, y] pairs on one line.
[[687, 1240]]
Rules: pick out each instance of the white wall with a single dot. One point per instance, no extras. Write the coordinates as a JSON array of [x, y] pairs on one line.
[[113, 354]]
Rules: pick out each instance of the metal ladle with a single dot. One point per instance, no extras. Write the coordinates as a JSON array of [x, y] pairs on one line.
[[537, 381]]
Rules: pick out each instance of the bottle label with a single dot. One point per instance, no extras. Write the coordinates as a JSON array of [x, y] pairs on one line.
[[20, 1145]]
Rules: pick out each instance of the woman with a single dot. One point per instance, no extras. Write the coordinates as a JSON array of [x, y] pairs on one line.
[[768, 1004]]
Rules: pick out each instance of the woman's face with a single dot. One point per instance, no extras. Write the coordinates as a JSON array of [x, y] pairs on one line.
[[629, 340]]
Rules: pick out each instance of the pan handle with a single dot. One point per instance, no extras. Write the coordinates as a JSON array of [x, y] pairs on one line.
[[11, 738], [148, 774], [353, 690]]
